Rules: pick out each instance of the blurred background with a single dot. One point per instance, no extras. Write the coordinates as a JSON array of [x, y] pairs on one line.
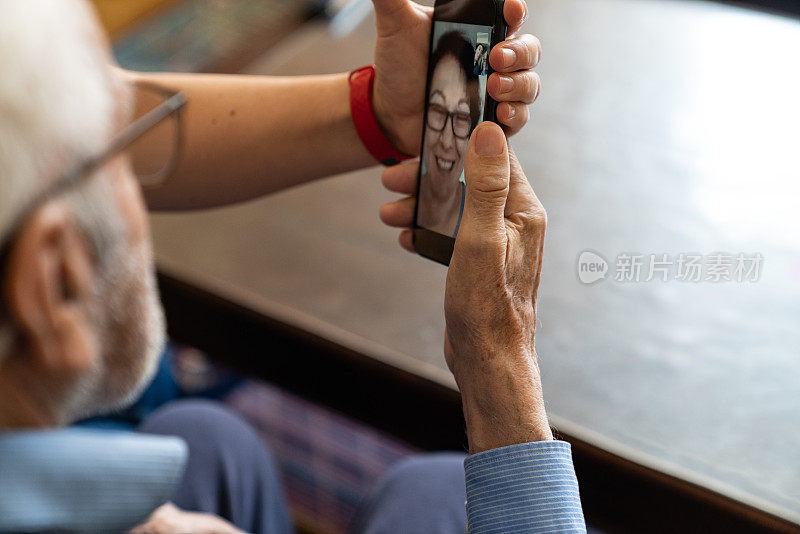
[[667, 136]]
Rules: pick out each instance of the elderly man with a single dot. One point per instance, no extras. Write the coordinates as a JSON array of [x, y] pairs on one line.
[[80, 322]]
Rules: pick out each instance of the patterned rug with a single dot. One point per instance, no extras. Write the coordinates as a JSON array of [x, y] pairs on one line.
[[328, 462]]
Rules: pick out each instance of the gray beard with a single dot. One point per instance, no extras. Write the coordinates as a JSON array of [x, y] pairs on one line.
[[131, 326]]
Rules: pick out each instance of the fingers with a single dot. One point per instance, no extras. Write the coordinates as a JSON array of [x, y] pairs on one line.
[[399, 213], [515, 13], [513, 116], [518, 53], [388, 8], [406, 240], [526, 214], [402, 178], [521, 198], [521, 86], [514, 84], [391, 14], [487, 174]]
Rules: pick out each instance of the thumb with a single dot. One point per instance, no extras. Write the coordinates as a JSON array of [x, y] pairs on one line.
[[486, 171], [390, 13]]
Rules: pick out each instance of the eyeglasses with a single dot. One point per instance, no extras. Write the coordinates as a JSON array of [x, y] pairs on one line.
[[159, 114], [460, 121], [160, 126]]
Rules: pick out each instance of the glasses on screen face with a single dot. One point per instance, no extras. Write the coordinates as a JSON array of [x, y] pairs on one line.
[[460, 121]]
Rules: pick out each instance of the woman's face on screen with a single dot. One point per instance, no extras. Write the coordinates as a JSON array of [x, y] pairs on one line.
[[444, 151]]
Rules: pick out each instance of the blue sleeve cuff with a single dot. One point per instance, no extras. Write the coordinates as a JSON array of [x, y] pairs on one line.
[[523, 488]]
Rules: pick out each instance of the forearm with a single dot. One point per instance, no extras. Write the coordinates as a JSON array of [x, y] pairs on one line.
[[503, 404], [518, 479], [247, 136]]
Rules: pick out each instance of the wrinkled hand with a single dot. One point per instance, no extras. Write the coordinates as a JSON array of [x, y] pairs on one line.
[[169, 519], [401, 58], [490, 300]]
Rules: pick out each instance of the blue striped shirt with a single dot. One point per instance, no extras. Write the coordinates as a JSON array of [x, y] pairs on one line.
[[84, 480], [524, 488], [88, 481]]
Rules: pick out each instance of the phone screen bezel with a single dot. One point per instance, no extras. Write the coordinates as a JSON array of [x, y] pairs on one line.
[[427, 243]]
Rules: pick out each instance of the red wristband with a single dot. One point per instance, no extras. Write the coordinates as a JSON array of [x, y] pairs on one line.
[[369, 131]]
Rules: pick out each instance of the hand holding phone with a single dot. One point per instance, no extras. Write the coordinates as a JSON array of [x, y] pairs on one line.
[[497, 260], [511, 82]]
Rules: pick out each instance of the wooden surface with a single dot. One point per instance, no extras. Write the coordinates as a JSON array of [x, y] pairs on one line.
[[663, 127]]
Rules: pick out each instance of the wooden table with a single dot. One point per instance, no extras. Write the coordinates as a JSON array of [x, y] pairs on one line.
[[664, 127]]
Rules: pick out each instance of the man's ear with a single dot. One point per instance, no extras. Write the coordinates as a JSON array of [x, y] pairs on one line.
[[48, 286]]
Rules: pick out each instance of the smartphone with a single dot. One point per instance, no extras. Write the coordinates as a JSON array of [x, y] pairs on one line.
[[463, 33]]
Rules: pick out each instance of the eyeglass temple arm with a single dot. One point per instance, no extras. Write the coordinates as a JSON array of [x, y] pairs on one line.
[[133, 131]]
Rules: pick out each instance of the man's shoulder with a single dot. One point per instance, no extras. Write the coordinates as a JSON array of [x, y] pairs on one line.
[[78, 480]]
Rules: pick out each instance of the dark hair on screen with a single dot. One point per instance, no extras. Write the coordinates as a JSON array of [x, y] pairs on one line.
[[455, 44]]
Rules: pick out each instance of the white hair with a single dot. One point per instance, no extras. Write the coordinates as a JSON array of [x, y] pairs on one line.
[[57, 101]]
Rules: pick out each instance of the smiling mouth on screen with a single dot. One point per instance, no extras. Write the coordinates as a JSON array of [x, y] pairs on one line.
[[444, 164]]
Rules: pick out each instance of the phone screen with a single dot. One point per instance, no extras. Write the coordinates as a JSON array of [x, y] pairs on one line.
[[457, 74]]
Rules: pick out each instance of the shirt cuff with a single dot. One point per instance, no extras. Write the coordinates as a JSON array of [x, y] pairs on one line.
[[523, 488]]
